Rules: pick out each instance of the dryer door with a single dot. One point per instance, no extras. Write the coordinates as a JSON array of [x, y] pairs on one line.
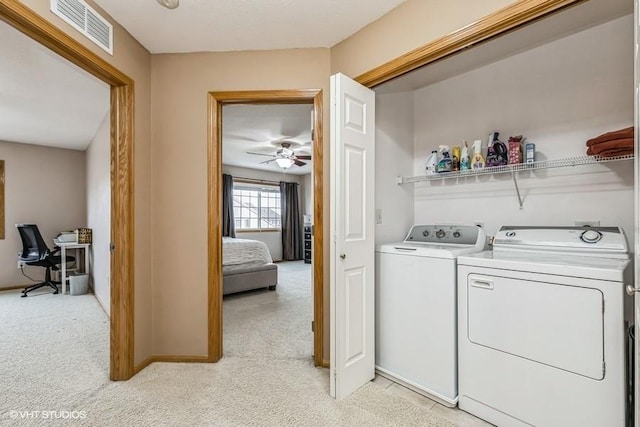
[[549, 323]]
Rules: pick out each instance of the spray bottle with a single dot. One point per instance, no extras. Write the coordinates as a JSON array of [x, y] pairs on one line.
[[464, 157], [445, 163], [477, 161]]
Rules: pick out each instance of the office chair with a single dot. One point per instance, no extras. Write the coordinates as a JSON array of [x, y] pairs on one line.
[[35, 252]]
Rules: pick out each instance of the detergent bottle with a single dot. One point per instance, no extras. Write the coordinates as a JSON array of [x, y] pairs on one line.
[[445, 163], [431, 164], [455, 158], [464, 157], [497, 152], [477, 161]]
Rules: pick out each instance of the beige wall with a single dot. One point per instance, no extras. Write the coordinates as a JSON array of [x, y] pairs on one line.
[[177, 164], [43, 186], [135, 61], [405, 28], [99, 211], [307, 186], [180, 83]]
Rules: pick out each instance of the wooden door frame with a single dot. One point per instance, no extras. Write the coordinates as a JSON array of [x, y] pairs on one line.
[[42, 31], [214, 224]]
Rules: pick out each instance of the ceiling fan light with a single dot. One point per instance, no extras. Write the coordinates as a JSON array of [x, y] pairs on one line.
[[284, 163], [169, 4]]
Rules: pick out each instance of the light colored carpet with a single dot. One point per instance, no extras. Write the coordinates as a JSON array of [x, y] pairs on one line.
[[273, 324], [54, 357]]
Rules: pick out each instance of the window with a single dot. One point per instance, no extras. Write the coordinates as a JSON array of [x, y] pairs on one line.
[[256, 207]]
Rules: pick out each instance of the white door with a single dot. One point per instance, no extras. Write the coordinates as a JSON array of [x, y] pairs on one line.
[[352, 259]]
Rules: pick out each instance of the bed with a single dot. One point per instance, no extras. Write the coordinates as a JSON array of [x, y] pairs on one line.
[[246, 265]]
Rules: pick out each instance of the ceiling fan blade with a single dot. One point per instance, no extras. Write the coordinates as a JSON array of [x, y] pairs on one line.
[[304, 157], [298, 162], [259, 154], [267, 161]]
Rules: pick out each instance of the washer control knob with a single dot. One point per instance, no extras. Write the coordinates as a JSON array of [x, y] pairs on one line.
[[456, 234], [591, 236], [440, 234], [425, 233], [511, 234]]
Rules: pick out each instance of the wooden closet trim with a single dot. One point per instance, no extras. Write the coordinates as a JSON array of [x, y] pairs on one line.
[[42, 31], [214, 173], [513, 16]]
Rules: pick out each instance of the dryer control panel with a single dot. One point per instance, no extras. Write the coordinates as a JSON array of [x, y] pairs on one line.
[[596, 241]]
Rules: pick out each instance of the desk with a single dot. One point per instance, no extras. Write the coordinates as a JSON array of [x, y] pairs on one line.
[[64, 287]]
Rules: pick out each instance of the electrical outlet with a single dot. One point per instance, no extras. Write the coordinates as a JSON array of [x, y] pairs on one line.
[[588, 223], [479, 224], [20, 264]]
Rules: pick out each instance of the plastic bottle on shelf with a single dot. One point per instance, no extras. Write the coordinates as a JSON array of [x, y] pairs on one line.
[[477, 160], [464, 157], [530, 152], [455, 159], [445, 163], [497, 152], [432, 163]]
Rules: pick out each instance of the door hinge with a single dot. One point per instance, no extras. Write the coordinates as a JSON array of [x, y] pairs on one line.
[[313, 326], [112, 247]]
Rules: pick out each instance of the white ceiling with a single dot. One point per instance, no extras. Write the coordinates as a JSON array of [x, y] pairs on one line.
[[260, 129], [226, 25], [44, 99]]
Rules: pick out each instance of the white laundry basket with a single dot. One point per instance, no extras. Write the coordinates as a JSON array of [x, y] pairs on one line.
[[78, 284]]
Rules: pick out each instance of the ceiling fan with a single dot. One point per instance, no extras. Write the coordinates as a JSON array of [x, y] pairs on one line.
[[285, 157]]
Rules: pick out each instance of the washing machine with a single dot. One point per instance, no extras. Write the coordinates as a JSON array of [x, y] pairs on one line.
[[416, 307], [542, 321]]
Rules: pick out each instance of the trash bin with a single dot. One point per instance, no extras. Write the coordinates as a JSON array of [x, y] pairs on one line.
[[78, 284]]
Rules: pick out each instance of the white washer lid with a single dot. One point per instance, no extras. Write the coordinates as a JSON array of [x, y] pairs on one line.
[[610, 269], [429, 250]]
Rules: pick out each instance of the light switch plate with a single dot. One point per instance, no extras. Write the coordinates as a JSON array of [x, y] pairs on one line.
[[378, 216]]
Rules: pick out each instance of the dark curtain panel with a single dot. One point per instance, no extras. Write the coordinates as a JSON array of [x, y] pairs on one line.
[[228, 223], [291, 226]]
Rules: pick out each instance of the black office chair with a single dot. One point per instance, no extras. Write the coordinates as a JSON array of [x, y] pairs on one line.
[[35, 252]]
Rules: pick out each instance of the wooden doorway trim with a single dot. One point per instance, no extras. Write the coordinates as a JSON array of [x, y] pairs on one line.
[[122, 107], [214, 171]]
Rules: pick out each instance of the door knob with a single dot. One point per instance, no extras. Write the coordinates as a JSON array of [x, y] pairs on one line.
[[631, 290], [343, 256]]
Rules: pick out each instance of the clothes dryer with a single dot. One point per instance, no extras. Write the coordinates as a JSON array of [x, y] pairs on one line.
[[542, 322]]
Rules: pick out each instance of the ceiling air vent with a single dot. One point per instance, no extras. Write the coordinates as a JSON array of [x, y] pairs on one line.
[[86, 20]]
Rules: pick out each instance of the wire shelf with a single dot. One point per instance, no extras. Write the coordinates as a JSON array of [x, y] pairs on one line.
[[520, 167]]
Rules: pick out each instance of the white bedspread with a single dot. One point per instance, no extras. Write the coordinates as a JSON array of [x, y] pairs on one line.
[[241, 253]]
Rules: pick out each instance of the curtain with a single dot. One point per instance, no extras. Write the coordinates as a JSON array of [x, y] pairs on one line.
[[291, 225], [228, 223]]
